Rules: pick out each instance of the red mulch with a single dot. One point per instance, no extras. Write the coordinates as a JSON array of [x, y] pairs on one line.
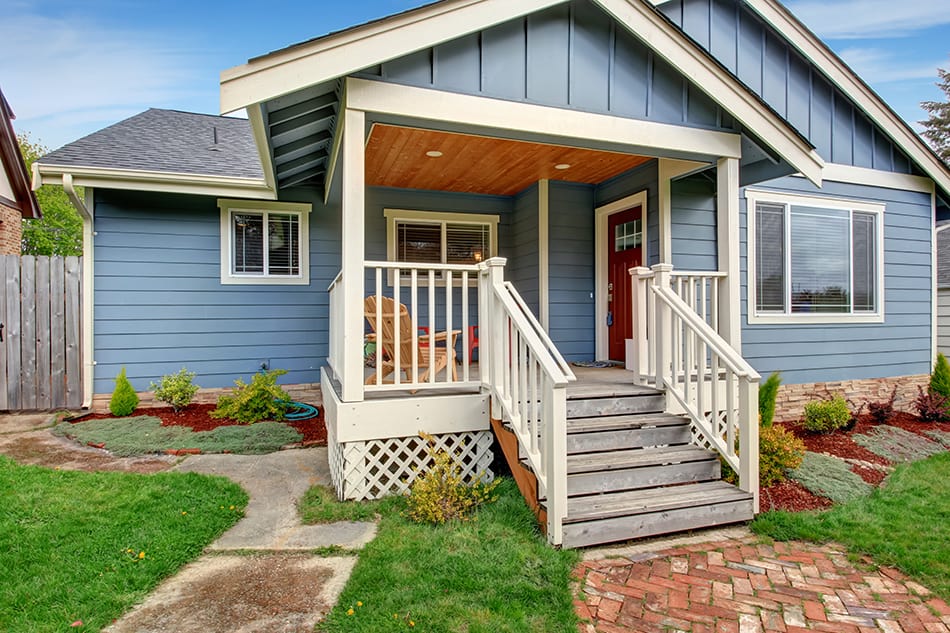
[[195, 417], [791, 496], [838, 443], [872, 476]]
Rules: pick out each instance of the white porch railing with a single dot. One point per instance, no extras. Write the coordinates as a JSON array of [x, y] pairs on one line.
[[527, 378], [677, 349], [334, 356]]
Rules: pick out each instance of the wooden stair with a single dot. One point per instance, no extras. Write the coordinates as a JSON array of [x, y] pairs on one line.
[[632, 471]]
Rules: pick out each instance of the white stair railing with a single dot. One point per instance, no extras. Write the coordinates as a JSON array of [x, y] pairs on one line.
[[679, 351], [527, 379]]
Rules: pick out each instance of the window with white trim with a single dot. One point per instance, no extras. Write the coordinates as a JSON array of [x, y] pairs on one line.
[[264, 242], [440, 238], [814, 259]]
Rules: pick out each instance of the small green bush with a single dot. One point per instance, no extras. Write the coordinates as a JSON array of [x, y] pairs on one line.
[[825, 416], [261, 400], [779, 451], [176, 389], [767, 394], [124, 399], [940, 378], [440, 495]]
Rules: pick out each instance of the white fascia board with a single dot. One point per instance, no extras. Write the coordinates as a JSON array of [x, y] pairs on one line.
[[255, 115], [435, 105], [809, 45], [140, 180], [352, 50], [877, 178], [721, 86]]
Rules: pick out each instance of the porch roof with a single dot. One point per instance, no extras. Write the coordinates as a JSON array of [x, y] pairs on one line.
[[293, 95]]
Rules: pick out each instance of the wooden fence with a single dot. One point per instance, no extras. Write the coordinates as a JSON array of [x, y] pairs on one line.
[[40, 360]]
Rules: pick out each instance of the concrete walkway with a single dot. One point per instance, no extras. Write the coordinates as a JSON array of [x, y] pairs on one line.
[[728, 582], [261, 575]]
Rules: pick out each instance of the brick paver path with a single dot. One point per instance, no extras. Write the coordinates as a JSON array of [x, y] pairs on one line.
[[740, 586]]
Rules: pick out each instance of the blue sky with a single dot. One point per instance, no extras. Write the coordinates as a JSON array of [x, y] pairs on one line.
[[79, 66]]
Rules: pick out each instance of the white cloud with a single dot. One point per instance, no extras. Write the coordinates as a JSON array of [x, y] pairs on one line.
[[878, 66], [855, 19], [67, 77]]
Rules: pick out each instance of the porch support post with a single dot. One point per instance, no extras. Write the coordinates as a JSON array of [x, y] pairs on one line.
[[665, 174], [353, 220], [727, 239]]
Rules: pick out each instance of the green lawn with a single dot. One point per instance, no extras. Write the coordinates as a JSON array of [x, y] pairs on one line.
[[903, 524], [87, 546], [492, 574]]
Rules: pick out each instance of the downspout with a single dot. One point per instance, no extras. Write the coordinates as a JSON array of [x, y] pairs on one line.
[[88, 233]]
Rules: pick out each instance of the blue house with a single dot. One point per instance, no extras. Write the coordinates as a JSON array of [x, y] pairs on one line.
[[699, 190]]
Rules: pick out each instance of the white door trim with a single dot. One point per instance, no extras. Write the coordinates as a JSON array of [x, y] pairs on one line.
[[600, 263]]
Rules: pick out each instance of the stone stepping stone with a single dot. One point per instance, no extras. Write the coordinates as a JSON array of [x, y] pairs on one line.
[[898, 445]]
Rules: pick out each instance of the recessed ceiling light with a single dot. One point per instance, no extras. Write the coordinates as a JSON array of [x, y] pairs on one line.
[[433, 153], [562, 166]]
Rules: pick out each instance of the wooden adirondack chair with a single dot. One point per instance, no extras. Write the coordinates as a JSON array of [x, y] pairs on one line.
[[443, 344]]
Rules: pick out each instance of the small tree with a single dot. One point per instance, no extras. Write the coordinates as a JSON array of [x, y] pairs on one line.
[[124, 399], [940, 378], [937, 126], [767, 395], [178, 390]]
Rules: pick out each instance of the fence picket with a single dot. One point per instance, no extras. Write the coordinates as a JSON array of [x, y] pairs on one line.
[[43, 400], [28, 332], [5, 262], [57, 294], [12, 334]]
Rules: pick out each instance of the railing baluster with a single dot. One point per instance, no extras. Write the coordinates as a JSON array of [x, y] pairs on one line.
[[431, 338], [515, 362], [466, 352], [379, 326], [450, 339], [730, 414], [534, 430], [414, 299], [397, 351]]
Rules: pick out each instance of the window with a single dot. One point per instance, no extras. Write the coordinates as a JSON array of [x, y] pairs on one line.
[[264, 242], [814, 259], [440, 238], [627, 235]]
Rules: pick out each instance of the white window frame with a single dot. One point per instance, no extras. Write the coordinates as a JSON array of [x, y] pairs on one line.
[[302, 210], [393, 216], [753, 198]]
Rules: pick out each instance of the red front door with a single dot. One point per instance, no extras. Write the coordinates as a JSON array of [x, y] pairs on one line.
[[625, 245]]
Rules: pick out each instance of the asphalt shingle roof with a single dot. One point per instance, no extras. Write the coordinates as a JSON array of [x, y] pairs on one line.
[[168, 141]]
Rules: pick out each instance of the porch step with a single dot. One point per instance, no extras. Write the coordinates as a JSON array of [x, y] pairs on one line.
[[589, 435], [633, 469], [619, 516], [646, 401]]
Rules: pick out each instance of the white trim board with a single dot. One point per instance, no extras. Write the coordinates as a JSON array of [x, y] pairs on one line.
[[754, 196], [557, 123], [877, 178], [601, 346], [141, 180], [841, 76], [544, 230]]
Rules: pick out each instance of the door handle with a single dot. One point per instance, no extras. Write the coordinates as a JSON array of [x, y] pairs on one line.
[[1, 332]]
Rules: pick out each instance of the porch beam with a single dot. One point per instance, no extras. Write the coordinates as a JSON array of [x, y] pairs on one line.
[[353, 191], [727, 245]]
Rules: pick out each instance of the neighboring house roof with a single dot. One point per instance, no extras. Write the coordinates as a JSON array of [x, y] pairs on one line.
[[164, 150], [167, 141], [15, 190]]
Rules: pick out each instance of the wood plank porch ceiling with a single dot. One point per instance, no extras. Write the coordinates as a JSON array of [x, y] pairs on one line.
[[396, 157]]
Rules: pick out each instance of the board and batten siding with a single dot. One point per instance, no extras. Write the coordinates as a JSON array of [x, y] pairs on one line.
[[794, 87], [160, 306], [899, 346], [572, 55], [693, 224], [523, 257]]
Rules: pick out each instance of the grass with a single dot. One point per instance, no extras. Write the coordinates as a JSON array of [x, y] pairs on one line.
[[829, 477], [319, 505], [142, 435], [904, 524], [73, 542], [492, 574]]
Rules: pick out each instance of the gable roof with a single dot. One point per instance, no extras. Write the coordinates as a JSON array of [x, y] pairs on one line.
[[167, 141], [816, 51], [164, 150], [11, 161], [323, 61]]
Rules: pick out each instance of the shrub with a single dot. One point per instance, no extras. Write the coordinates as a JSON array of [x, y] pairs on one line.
[[767, 394], [263, 399], [440, 495], [881, 412], [940, 378], [176, 389], [931, 406], [779, 451], [124, 399], [825, 416]]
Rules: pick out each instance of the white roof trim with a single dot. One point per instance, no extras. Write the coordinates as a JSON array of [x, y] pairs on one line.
[[338, 55], [354, 49], [845, 79], [142, 180]]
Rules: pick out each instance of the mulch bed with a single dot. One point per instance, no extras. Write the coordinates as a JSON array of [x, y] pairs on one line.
[[792, 496], [197, 418]]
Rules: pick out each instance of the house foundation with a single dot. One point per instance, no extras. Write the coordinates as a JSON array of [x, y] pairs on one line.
[[791, 400]]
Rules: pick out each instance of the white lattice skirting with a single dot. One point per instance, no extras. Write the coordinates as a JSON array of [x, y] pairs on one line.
[[375, 468]]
